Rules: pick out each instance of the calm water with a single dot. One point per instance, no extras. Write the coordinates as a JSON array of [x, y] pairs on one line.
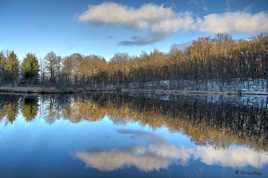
[[112, 136]]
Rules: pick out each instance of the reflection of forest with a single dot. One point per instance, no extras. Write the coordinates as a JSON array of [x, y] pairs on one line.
[[221, 123]]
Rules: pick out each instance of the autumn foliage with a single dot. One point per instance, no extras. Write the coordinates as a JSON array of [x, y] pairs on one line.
[[218, 58]]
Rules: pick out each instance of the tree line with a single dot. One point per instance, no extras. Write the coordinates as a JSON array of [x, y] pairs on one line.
[[206, 58]]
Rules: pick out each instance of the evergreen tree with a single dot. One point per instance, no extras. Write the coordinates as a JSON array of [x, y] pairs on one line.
[[11, 67], [30, 67]]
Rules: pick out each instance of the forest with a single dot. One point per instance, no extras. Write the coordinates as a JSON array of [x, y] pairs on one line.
[[220, 58]]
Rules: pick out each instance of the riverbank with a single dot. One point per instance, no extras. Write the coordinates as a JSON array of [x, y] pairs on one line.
[[189, 92], [39, 90], [77, 90]]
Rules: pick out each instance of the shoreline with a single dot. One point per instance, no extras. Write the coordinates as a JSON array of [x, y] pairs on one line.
[[77, 90]]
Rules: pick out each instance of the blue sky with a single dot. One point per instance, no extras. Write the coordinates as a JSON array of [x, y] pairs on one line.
[[98, 27]]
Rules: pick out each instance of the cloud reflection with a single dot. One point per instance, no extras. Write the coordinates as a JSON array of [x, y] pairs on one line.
[[138, 157], [234, 156], [161, 154]]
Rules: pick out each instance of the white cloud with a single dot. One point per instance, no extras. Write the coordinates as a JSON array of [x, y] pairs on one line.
[[149, 16], [157, 20], [160, 22], [234, 22]]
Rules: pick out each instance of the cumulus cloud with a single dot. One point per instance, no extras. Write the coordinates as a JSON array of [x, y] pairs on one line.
[[234, 22], [159, 21]]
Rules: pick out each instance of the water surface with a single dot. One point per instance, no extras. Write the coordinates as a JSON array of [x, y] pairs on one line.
[[123, 136]]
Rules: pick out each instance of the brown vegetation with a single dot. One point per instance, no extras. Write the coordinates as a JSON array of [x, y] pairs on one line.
[[219, 58]]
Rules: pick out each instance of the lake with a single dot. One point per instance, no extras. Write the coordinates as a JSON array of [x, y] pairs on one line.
[[105, 135]]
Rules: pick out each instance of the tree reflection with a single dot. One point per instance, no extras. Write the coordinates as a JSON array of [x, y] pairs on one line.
[[86, 110], [52, 108], [221, 122], [30, 108], [204, 121], [9, 108]]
